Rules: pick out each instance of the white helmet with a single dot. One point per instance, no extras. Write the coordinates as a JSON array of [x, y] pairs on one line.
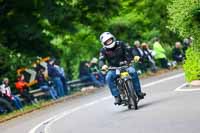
[[105, 37]]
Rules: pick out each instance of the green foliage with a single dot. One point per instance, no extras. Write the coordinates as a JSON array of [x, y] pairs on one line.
[[192, 65], [69, 29], [10, 61], [142, 20], [76, 47], [168, 50], [184, 19]]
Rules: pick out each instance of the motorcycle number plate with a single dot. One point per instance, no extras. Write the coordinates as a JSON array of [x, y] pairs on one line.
[[117, 72], [124, 74]]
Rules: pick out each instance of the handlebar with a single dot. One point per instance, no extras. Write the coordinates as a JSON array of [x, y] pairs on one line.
[[121, 67]]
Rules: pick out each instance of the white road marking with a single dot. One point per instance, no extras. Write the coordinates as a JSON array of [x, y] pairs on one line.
[[163, 80], [47, 123], [180, 88]]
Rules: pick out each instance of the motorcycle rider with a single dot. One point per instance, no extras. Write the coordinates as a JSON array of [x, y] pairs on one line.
[[115, 52]]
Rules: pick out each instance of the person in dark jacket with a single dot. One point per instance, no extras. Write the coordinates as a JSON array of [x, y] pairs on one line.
[[116, 52], [94, 68], [177, 53], [137, 51], [86, 75], [44, 84], [54, 74], [187, 42]]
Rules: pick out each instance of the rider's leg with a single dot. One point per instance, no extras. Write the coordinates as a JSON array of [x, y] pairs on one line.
[[136, 82], [110, 80]]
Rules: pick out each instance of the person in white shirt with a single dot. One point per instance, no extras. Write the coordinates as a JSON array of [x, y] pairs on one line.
[[6, 92]]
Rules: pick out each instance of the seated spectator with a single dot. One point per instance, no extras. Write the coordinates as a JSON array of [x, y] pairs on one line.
[[44, 84], [137, 51], [94, 68], [86, 75], [6, 91], [186, 44], [148, 57], [177, 53], [55, 77], [23, 88], [160, 56], [62, 75]]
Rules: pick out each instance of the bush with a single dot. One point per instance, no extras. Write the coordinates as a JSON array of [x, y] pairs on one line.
[[192, 65], [10, 61], [168, 50], [184, 19]]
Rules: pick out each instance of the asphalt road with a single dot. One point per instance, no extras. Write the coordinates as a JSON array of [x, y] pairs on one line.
[[163, 110]]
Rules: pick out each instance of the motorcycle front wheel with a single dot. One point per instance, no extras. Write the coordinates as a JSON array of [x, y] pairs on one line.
[[131, 95]]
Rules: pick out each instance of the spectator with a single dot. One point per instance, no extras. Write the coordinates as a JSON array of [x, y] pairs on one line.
[[137, 51], [6, 91], [62, 75], [44, 84], [94, 68], [191, 39], [186, 44], [86, 75], [148, 57], [56, 77], [23, 88], [177, 53], [160, 54]]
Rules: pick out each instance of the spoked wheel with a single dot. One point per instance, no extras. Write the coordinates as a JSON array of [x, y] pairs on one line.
[[132, 97]]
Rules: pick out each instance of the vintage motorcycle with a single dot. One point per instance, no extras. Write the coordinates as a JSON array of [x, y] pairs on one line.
[[125, 85]]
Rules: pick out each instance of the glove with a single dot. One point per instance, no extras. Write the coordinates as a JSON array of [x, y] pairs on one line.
[[104, 67], [136, 58]]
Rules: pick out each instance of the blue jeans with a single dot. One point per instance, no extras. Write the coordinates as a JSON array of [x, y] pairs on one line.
[[111, 76], [17, 102], [51, 91], [65, 86], [99, 76], [92, 78], [59, 86]]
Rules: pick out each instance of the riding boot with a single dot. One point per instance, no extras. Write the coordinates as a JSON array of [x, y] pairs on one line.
[[118, 100], [141, 95]]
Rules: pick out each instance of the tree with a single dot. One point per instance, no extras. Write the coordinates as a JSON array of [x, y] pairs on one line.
[[69, 29], [142, 20], [185, 19]]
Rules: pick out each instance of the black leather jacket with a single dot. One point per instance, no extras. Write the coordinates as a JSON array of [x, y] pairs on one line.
[[121, 52]]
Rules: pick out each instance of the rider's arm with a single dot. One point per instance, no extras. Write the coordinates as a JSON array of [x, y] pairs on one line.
[[127, 52]]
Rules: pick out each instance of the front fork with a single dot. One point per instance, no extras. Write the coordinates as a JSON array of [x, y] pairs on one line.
[[120, 87]]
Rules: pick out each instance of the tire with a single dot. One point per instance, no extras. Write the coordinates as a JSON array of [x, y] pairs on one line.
[[131, 95], [5, 106]]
